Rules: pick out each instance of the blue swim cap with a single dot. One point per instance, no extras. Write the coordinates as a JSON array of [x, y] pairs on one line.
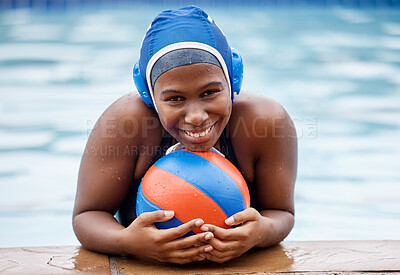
[[186, 28]]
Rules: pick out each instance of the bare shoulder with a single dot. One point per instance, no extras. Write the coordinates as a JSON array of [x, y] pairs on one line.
[[254, 106], [128, 119], [260, 114], [258, 124], [113, 154], [118, 145], [265, 143], [129, 105], [124, 135]]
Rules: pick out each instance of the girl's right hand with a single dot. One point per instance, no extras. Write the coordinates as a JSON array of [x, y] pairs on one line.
[[141, 237]]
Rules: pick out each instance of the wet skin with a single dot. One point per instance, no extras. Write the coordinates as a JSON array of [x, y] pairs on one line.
[[194, 106]]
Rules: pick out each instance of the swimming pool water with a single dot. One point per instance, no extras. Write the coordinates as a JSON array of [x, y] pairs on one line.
[[336, 71]]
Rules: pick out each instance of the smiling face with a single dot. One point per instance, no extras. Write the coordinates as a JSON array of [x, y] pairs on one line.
[[194, 104]]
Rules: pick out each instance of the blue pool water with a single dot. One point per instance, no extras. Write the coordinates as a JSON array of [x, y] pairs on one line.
[[336, 71]]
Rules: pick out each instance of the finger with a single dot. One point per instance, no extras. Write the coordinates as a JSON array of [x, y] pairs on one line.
[[148, 218], [219, 232], [200, 258], [220, 254], [249, 214], [194, 240], [229, 247], [179, 260], [176, 232], [218, 259], [232, 234], [183, 260], [193, 253]]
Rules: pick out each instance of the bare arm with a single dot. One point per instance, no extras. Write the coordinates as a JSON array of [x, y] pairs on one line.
[[268, 158], [105, 175], [111, 161], [276, 171]]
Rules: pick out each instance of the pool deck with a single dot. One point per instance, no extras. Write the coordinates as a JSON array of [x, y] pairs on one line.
[[314, 257]]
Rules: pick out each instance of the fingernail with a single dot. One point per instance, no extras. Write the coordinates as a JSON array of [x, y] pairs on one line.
[[169, 213], [198, 222], [229, 221], [204, 228], [208, 248]]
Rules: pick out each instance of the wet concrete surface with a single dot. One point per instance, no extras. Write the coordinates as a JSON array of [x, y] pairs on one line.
[[327, 257], [52, 260]]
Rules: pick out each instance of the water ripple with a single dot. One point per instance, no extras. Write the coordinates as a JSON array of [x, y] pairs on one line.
[[336, 71]]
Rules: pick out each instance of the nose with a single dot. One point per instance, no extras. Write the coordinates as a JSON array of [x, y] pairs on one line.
[[195, 114]]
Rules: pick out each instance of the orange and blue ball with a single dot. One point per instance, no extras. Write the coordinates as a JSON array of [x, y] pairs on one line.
[[195, 185]]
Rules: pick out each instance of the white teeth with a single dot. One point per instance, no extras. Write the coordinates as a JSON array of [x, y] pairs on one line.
[[201, 134]]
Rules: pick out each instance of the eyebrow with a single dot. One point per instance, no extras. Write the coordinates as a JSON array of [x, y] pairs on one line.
[[211, 84], [170, 91], [180, 92]]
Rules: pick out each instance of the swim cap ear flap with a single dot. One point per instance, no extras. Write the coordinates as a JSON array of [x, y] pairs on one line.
[[141, 86], [237, 72]]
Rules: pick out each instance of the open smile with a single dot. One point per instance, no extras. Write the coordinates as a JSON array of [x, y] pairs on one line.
[[198, 134]]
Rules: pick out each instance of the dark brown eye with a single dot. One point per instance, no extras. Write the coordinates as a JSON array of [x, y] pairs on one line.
[[209, 92], [175, 99]]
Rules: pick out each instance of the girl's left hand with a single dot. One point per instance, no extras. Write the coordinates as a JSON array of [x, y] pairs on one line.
[[233, 242]]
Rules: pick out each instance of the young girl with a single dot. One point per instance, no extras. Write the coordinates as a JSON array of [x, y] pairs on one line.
[[189, 81]]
